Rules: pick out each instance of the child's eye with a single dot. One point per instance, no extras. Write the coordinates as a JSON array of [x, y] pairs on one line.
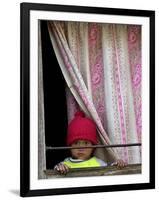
[[87, 143], [76, 143]]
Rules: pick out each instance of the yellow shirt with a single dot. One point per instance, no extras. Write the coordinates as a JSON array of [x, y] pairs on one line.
[[92, 162]]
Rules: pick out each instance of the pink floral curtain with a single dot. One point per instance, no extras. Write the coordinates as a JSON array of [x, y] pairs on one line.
[[134, 46], [103, 64], [120, 94]]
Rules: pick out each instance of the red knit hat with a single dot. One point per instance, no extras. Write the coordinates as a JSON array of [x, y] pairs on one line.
[[81, 128]]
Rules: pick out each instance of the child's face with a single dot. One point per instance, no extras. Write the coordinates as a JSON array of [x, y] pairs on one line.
[[83, 153]]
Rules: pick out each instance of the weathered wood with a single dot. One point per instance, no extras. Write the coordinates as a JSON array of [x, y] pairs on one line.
[[96, 171], [41, 128]]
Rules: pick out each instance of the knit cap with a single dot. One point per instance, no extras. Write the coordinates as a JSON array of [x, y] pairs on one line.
[[81, 128]]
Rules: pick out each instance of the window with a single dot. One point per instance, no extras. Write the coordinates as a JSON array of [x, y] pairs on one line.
[[55, 108]]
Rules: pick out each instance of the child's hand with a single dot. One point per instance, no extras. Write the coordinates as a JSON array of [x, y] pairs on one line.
[[61, 168], [120, 164]]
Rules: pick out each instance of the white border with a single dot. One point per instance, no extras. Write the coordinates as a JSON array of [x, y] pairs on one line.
[[85, 181]]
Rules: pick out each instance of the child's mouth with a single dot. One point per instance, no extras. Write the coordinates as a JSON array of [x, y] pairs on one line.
[[80, 154]]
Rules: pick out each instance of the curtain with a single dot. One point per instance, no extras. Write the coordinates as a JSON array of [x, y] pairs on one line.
[[119, 64], [101, 64]]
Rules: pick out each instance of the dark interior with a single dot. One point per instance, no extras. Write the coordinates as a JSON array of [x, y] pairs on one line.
[[54, 101]]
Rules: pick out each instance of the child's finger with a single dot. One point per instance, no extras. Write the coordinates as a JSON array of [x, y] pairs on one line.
[[66, 168], [56, 168], [61, 168], [122, 164]]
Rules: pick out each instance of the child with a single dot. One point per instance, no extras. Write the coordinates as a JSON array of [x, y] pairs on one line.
[[82, 133]]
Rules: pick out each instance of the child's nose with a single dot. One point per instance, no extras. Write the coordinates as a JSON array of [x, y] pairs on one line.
[[81, 150], [81, 144]]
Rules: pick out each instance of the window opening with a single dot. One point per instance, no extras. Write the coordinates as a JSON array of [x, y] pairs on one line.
[[54, 101]]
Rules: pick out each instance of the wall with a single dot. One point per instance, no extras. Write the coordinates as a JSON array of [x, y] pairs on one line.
[[10, 104]]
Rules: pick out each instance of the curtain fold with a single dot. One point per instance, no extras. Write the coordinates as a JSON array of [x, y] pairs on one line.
[[101, 64], [85, 45]]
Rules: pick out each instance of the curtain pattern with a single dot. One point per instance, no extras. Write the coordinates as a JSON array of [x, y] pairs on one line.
[[104, 62], [134, 44], [97, 69], [119, 98]]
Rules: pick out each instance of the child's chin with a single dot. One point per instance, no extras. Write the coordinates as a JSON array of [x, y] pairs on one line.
[[81, 156]]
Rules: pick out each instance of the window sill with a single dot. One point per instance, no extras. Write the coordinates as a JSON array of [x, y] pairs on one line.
[[96, 171]]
